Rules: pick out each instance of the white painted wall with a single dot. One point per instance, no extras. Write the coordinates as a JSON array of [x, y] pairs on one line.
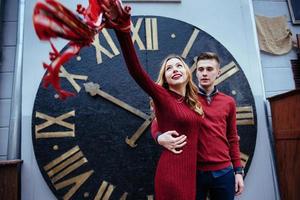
[[277, 71], [229, 21]]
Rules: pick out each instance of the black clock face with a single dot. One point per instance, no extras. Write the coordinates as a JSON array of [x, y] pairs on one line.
[[97, 145]]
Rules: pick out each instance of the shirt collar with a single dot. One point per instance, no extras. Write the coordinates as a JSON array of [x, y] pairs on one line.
[[202, 92]]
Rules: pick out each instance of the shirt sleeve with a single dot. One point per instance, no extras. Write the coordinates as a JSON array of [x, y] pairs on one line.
[[232, 136], [135, 68], [155, 130]]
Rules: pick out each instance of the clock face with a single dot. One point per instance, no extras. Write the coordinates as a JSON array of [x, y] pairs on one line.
[[97, 145]]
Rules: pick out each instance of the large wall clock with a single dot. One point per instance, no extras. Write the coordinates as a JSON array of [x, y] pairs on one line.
[[97, 144]]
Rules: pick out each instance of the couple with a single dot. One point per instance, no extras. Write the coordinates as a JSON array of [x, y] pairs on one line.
[[200, 156]]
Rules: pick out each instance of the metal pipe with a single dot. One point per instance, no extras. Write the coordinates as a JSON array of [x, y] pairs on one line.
[[14, 138]]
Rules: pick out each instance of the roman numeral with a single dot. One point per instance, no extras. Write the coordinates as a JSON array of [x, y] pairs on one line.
[[244, 115], [244, 158], [226, 72], [54, 120], [65, 164], [124, 196], [190, 43], [151, 34], [105, 191], [71, 78], [100, 49]]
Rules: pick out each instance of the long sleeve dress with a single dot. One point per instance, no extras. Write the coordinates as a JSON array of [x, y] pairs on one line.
[[175, 177]]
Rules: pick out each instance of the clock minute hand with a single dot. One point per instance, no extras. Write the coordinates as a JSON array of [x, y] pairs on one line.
[[94, 89]]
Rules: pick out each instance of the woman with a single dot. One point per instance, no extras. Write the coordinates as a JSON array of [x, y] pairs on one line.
[[176, 107]]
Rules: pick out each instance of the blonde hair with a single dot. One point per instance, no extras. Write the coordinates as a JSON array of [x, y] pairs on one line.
[[191, 96]]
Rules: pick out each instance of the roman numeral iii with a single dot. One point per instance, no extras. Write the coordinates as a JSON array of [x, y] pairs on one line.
[[65, 164]]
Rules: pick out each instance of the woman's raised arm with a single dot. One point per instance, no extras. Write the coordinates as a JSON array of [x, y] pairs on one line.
[[118, 17]]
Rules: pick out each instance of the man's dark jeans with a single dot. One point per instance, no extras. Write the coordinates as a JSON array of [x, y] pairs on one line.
[[220, 188]]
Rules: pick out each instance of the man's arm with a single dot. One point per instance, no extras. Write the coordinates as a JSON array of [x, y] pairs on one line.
[[155, 130], [234, 148], [232, 137], [169, 139]]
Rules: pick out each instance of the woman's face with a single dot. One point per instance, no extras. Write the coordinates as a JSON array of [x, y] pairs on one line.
[[175, 72]]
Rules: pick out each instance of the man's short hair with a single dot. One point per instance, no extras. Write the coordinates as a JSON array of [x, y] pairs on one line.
[[208, 56]]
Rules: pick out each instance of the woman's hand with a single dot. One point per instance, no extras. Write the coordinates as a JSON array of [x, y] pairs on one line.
[[172, 141], [115, 15]]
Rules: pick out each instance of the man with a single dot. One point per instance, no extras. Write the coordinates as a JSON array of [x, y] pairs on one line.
[[219, 169]]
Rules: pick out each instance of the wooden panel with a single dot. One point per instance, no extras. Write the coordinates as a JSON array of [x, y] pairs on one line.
[[287, 135], [10, 179], [288, 165], [286, 113], [285, 110]]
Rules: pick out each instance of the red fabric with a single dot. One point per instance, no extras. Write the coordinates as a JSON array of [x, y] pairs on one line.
[[93, 14], [51, 20], [175, 177], [218, 144], [154, 129]]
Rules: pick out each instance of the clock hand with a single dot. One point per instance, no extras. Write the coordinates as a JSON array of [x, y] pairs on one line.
[[94, 89], [226, 71], [131, 141], [194, 66]]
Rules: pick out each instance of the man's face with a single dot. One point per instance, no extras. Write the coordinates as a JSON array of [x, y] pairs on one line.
[[207, 72]]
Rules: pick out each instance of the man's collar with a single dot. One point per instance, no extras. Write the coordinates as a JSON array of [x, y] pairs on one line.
[[203, 92]]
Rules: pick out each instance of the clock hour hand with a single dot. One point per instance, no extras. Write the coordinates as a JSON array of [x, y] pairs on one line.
[[94, 89], [131, 141], [225, 72]]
